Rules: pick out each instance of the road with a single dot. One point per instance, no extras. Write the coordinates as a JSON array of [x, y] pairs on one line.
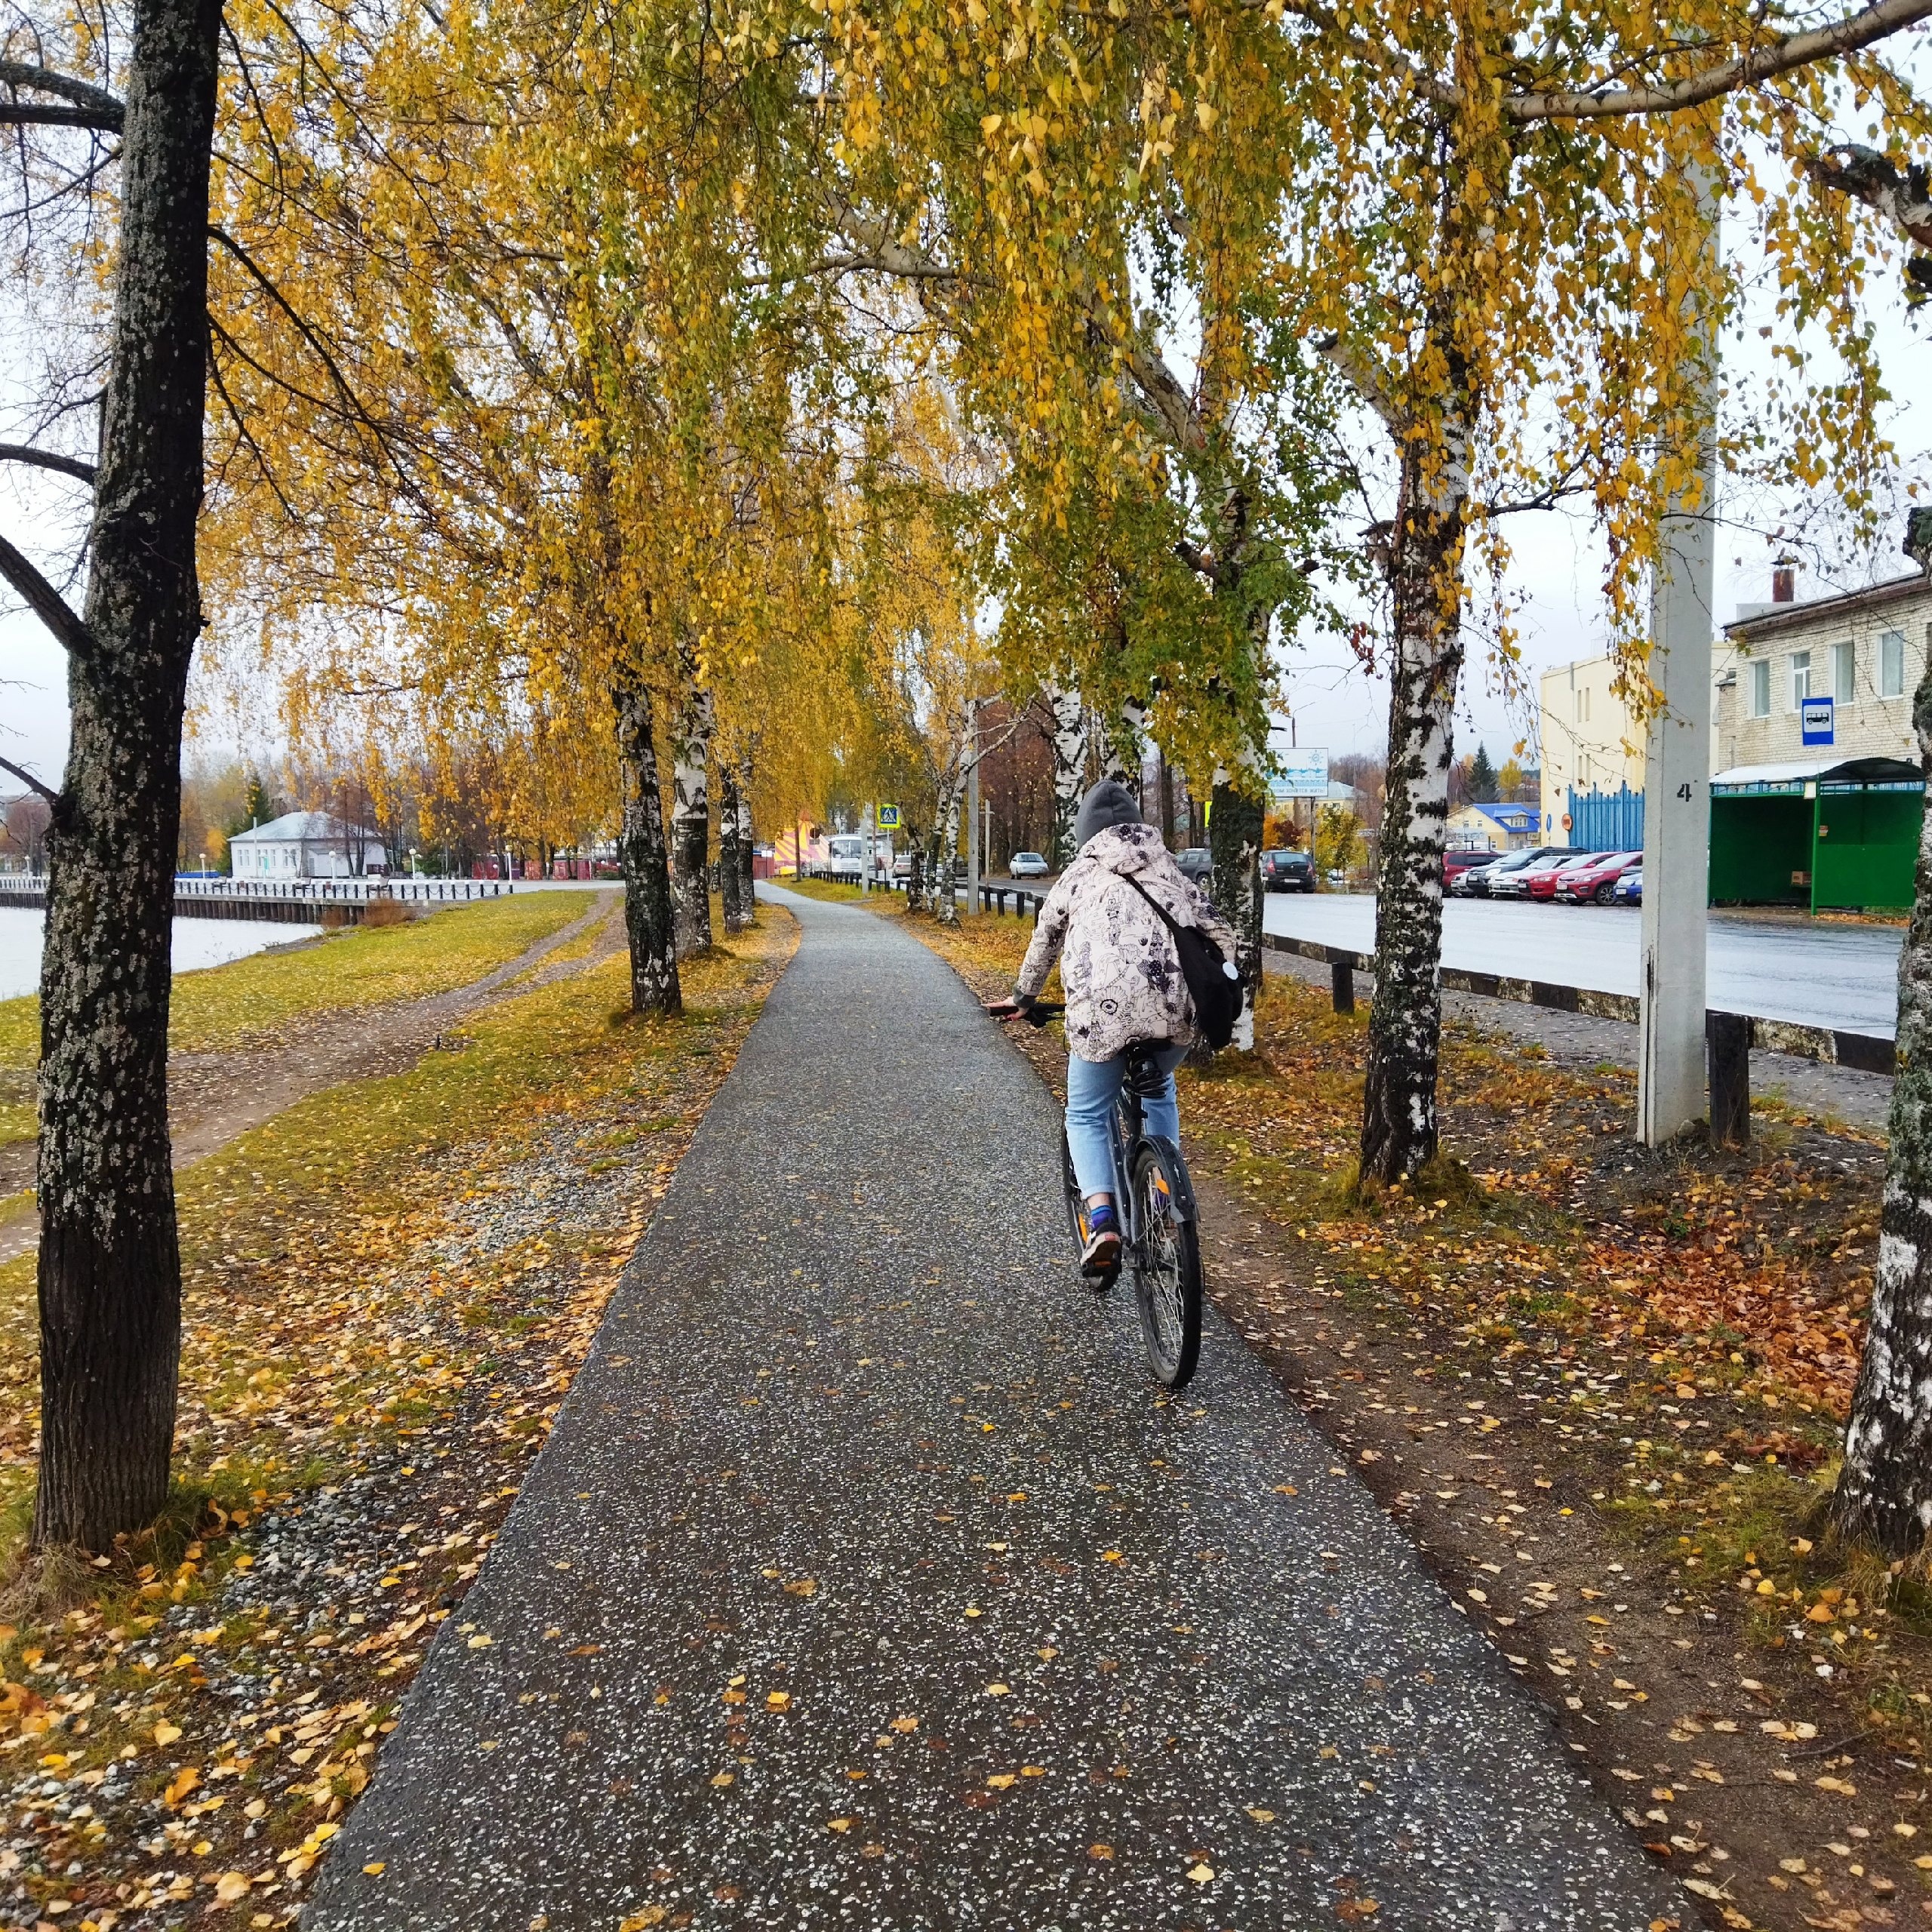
[[1844, 976]]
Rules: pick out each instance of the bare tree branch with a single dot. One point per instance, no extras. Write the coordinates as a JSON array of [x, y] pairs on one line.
[[1765, 62], [91, 107], [1902, 196], [68, 465], [1366, 381], [44, 601], [27, 779]]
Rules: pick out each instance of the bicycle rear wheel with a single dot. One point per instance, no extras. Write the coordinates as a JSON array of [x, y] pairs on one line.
[[1167, 1271]]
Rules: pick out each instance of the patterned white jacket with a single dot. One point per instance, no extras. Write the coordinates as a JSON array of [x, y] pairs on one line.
[[1117, 961]]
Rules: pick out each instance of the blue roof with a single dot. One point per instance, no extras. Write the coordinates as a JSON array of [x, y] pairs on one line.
[[1516, 817]]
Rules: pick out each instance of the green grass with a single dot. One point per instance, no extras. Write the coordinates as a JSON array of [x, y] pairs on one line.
[[820, 888], [291, 1235], [361, 966]]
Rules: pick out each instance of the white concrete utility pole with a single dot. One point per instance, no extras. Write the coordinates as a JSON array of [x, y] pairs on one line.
[[974, 858], [1677, 795]]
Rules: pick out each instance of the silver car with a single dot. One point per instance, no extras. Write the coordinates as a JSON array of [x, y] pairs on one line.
[[1028, 865]]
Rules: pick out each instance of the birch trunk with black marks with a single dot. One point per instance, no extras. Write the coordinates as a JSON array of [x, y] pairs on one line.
[[1884, 1491], [747, 844], [945, 852], [691, 819], [730, 872], [1069, 771], [109, 1261], [1234, 837], [1120, 744], [1398, 1126], [643, 852]]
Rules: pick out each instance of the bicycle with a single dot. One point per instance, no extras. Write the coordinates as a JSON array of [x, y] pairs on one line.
[[1159, 1221]]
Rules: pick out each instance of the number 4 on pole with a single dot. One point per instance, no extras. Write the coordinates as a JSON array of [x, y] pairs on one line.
[[1684, 792]]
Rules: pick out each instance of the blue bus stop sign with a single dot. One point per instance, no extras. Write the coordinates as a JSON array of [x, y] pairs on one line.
[[1816, 718]]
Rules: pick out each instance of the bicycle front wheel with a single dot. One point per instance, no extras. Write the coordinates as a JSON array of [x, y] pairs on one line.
[[1167, 1271]]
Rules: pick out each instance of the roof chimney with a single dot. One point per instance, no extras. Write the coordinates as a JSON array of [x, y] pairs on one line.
[[1784, 580]]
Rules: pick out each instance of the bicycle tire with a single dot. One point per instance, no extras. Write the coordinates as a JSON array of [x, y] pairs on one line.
[[1097, 1284], [1167, 1270]]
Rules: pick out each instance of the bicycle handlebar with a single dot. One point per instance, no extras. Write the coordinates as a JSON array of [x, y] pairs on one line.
[[1037, 1014]]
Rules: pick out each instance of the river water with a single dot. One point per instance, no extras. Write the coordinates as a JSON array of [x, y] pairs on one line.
[[197, 942]]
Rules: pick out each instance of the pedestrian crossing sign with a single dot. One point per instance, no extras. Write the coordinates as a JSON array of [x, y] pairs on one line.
[[888, 818]]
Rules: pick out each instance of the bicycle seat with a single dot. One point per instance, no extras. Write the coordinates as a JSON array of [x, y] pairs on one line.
[[1143, 1074]]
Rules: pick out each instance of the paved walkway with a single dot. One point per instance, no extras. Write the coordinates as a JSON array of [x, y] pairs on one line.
[[865, 1581]]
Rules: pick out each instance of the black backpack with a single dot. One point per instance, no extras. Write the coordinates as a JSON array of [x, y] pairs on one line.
[[1216, 994]]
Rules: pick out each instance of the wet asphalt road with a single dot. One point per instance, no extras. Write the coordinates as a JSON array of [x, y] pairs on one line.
[[1845, 976], [867, 1581]]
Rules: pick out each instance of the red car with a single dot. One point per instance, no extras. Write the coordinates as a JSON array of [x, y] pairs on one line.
[[1596, 880], [1541, 881]]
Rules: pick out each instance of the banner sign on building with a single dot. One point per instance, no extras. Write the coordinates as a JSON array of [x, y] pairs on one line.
[[1816, 717]]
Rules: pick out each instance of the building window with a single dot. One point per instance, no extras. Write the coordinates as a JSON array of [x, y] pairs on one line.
[[1761, 687], [1801, 678], [1844, 669], [1891, 664]]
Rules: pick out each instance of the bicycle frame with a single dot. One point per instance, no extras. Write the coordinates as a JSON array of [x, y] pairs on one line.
[[1129, 1135]]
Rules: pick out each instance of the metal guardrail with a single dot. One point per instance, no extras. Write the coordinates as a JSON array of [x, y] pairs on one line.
[[1867, 1052], [293, 901]]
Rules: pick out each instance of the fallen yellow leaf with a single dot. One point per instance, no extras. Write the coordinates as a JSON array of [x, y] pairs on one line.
[[1201, 1874], [232, 1885], [166, 1733]]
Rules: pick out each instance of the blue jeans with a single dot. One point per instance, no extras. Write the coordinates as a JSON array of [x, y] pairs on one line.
[[1092, 1088]]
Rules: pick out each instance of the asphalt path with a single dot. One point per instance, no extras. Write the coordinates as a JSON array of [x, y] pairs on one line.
[[1840, 976], [867, 1581]]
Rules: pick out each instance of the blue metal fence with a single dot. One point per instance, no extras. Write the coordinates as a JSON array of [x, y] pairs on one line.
[[1607, 821]]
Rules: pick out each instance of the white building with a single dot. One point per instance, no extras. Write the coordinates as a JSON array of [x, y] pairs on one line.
[[305, 845], [1864, 651]]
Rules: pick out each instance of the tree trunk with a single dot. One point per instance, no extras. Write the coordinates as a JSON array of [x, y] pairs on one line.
[[1120, 744], [1234, 836], [648, 919], [691, 826], [945, 859], [1069, 771], [747, 844], [1884, 1491], [109, 1262], [1166, 801], [1399, 1125], [730, 873]]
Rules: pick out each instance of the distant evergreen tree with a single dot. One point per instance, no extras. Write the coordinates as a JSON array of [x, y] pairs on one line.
[[257, 807], [1482, 778]]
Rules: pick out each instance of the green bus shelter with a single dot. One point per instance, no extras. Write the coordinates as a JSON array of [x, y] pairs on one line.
[[1827, 834]]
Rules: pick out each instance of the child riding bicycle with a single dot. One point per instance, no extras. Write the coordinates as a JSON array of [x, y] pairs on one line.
[[1122, 971]]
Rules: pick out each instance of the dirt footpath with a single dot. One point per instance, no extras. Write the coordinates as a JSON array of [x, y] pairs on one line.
[[215, 1097]]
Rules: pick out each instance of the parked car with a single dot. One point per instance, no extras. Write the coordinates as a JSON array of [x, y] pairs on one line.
[[1629, 889], [1287, 871], [1458, 863], [1482, 881], [1518, 885], [1596, 882], [1540, 882], [1027, 865], [1197, 862]]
